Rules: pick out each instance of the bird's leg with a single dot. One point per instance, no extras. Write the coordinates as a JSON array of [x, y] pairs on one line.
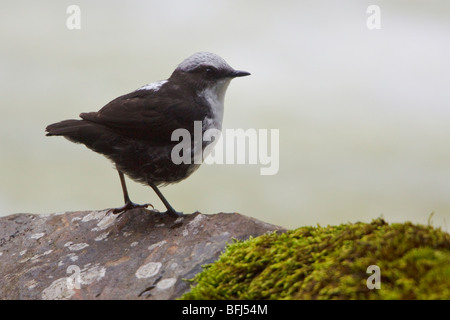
[[128, 203], [170, 211]]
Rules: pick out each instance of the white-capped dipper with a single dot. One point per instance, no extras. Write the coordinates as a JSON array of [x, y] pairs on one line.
[[134, 130]]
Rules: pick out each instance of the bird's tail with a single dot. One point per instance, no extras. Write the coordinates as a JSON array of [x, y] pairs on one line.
[[74, 130], [94, 136]]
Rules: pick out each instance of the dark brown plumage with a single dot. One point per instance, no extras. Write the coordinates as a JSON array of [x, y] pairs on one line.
[[134, 130]]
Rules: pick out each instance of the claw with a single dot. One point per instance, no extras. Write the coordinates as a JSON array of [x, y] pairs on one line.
[[174, 214], [128, 206]]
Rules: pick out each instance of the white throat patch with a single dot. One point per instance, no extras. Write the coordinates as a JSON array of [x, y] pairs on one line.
[[215, 96]]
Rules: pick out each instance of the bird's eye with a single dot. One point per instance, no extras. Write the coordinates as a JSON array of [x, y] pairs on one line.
[[210, 71]]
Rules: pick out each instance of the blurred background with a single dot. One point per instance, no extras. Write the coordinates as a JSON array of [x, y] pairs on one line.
[[363, 115]]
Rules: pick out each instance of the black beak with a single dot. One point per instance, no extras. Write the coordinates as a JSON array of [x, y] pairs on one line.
[[239, 73]]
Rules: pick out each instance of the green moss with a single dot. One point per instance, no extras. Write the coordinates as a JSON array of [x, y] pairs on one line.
[[331, 263]]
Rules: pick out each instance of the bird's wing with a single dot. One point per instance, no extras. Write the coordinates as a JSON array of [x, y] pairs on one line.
[[145, 115]]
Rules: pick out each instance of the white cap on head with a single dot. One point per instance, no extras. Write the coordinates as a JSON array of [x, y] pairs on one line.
[[203, 59]]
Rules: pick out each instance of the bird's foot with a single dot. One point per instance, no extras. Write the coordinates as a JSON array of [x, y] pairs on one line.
[[128, 206], [174, 214], [171, 213]]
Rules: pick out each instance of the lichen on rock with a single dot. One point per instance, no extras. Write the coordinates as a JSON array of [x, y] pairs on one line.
[[332, 263], [142, 254]]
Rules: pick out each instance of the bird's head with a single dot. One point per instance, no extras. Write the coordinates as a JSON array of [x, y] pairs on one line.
[[206, 71]]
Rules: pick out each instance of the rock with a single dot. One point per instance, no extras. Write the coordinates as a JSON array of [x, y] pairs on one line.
[[98, 255]]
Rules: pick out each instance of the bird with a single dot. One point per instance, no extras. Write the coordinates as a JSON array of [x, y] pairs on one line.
[[134, 131]]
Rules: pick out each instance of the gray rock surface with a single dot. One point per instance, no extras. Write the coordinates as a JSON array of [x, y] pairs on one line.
[[140, 254]]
